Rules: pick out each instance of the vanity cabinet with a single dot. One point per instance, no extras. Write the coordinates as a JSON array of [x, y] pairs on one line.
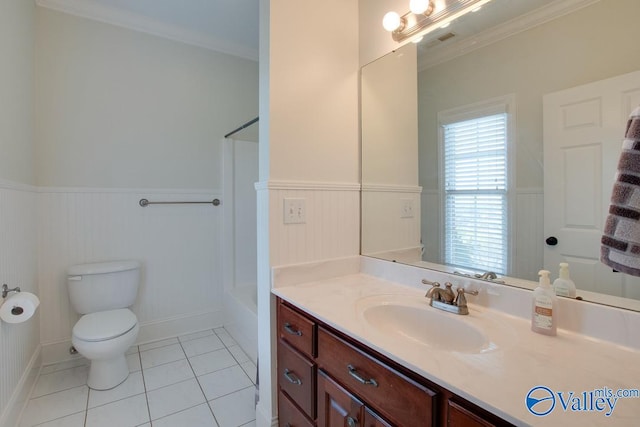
[[397, 398], [296, 367], [327, 379], [338, 408], [459, 416]]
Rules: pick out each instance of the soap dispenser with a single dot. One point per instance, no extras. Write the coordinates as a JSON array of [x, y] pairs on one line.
[[563, 285], [544, 306]]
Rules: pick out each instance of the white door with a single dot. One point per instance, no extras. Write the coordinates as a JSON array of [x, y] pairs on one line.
[[583, 132]]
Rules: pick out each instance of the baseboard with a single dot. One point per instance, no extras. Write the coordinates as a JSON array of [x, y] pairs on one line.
[[149, 331], [247, 340], [11, 414], [265, 420], [179, 325]]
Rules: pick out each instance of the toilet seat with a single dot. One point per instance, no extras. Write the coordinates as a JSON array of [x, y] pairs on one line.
[[104, 325]]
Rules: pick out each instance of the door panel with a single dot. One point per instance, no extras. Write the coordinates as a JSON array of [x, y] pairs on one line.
[[583, 132], [336, 406]]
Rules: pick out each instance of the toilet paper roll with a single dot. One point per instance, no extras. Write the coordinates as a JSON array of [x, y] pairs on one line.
[[19, 307]]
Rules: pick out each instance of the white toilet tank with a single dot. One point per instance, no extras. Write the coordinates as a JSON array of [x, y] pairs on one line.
[[103, 285]]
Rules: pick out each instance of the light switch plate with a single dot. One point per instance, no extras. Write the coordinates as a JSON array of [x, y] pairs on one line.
[[294, 211], [406, 208]]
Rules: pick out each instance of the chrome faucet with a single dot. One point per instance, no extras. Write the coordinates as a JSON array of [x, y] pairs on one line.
[[489, 275], [445, 299]]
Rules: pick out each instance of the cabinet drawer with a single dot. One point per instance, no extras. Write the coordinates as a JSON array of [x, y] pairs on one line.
[[297, 378], [289, 415], [397, 398], [297, 330]]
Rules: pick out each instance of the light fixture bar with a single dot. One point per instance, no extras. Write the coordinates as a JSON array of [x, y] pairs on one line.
[[419, 25]]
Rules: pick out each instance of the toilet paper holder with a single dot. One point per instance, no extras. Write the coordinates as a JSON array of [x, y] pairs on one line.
[[6, 290]]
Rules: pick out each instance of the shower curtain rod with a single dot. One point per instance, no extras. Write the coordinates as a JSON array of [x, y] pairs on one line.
[[249, 123]]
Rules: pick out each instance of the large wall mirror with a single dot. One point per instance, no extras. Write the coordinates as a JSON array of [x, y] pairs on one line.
[[556, 79]]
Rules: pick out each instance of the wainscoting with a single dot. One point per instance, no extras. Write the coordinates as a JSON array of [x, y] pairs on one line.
[[19, 343], [332, 225], [387, 223], [179, 246], [331, 230]]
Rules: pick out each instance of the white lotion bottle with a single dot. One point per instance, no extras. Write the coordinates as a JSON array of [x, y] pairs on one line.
[[544, 306], [563, 285]]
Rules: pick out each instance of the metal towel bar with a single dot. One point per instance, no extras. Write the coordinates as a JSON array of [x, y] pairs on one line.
[[145, 202], [246, 125]]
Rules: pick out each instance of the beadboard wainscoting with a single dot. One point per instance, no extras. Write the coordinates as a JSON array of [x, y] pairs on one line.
[[529, 233], [179, 246], [332, 221], [391, 220], [331, 230], [19, 343]]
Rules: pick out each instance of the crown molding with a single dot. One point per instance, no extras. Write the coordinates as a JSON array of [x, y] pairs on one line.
[[448, 51], [91, 10]]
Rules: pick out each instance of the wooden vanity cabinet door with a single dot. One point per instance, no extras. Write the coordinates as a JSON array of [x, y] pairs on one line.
[[394, 396], [373, 420], [463, 416], [289, 415], [297, 378], [336, 406], [297, 330]]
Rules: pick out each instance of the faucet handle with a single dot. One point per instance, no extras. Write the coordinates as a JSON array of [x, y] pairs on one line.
[[461, 301], [430, 283], [433, 285]]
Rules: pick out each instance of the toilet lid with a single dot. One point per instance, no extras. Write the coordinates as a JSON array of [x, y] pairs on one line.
[[105, 325]]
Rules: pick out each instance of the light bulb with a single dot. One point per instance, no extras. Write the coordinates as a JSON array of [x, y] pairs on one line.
[[391, 21], [418, 6]]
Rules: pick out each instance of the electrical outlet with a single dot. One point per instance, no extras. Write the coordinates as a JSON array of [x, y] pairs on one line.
[[406, 208], [294, 211]]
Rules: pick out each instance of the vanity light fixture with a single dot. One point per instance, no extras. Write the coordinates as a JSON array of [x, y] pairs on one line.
[[425, 16]]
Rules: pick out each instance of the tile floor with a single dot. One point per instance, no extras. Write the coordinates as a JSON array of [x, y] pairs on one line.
[[201, 379]]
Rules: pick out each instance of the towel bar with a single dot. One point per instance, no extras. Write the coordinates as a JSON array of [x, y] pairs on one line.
[[145, 202]]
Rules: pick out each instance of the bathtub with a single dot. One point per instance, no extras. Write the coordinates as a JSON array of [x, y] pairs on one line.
[[241, 314]]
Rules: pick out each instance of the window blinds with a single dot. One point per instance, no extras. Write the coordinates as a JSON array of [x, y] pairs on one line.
[[475, 193]]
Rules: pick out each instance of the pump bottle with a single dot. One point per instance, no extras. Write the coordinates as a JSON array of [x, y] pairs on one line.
[[563, 285], [544, 306]]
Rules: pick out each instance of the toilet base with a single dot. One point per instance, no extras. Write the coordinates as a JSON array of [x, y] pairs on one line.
[[108, 361], [105, 374]]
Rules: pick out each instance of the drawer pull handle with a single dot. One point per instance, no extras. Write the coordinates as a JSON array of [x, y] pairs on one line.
[[290, 330], [354, 373], [351, 422], [291, 377]]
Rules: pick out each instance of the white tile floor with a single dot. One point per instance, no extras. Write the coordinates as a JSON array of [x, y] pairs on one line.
[[202, 379]]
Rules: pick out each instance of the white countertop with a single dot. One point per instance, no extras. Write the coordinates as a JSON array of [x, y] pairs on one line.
[[497, 380]]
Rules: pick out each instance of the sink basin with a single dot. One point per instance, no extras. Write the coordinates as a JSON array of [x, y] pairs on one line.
[[414, 321]]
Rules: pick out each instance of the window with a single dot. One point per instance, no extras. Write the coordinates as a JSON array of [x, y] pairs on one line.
[[475, 188]]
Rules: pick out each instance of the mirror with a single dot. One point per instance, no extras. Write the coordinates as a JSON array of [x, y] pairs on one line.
[[505, 54]]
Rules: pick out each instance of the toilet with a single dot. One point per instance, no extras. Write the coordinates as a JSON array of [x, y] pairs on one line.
[[102, 293]]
